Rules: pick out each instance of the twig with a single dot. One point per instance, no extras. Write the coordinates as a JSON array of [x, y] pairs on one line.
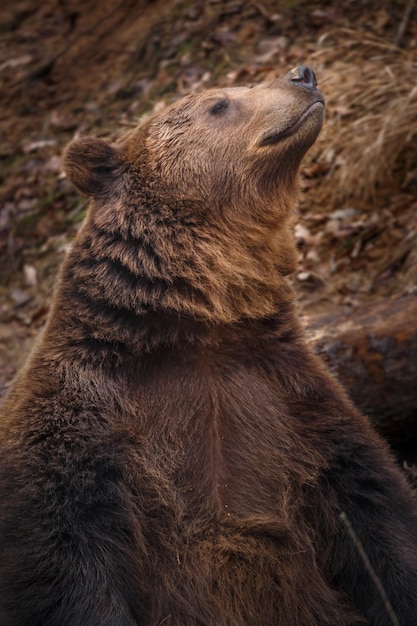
[[404, 22], [369, 568], [263, 11], [46, 67]]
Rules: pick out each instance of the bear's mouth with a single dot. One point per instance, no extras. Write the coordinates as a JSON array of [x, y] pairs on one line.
[[276, 137]]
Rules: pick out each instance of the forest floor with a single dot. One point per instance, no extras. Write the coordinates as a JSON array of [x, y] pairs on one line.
[[70, 68]]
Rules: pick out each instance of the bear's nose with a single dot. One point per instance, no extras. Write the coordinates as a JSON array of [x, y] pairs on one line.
[[304, 76]]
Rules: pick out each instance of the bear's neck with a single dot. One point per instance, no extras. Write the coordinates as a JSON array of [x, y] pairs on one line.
[[161, 285]]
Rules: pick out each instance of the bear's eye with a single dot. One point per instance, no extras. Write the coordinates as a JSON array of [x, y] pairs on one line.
[[220, 107]]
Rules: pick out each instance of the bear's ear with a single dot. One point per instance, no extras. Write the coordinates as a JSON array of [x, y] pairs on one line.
[[93, 166]]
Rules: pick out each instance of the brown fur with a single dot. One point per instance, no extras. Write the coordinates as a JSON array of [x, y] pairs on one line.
[[173, 452]]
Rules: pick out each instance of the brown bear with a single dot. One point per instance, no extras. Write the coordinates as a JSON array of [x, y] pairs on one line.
[[173, 453]]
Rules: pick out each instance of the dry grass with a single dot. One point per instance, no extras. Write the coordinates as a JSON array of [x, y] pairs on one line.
[[370, 136]]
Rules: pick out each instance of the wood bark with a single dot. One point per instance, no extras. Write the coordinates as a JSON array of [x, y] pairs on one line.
[[373, 352]]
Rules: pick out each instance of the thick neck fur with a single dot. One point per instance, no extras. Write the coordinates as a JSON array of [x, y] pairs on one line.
[[140, 275]]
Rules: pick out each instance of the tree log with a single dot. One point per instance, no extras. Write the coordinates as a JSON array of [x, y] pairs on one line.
[[373, 352]]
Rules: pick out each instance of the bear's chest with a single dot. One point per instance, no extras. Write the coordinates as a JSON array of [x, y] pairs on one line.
[[221, 467], [220, 442]]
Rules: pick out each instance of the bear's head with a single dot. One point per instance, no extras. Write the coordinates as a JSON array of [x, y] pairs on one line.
[[209, 184]]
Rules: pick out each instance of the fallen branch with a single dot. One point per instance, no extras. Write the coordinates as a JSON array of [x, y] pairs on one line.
[[373, 352]]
